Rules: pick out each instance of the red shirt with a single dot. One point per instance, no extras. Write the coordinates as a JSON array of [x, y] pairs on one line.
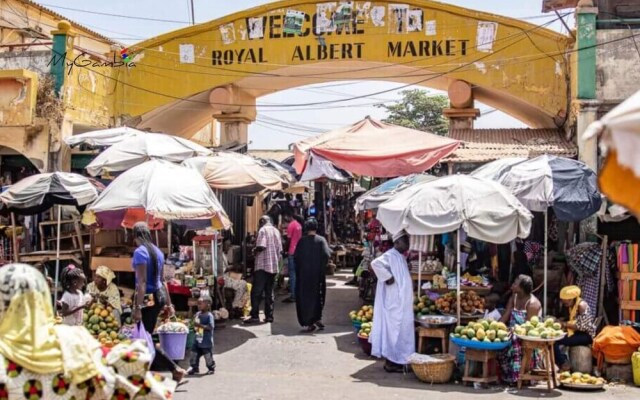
[[294, 233]]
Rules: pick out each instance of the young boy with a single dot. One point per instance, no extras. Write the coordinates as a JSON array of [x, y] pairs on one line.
[[491, 312], [203, 345]]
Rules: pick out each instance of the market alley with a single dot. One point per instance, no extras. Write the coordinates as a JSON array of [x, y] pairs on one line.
[[277, 362]]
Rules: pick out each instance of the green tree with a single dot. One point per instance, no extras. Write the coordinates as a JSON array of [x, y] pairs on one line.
[[418, 110]]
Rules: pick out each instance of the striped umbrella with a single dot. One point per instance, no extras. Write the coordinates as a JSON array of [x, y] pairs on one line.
[[40, 192], [568, 186], [381, 193]]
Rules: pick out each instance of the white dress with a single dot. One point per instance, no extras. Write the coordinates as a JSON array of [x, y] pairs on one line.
[[392, 335]]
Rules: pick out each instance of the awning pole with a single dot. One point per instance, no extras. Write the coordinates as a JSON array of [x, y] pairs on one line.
[[14, 238], [169, 237], [544, 295], [458, 274], [57, 274]]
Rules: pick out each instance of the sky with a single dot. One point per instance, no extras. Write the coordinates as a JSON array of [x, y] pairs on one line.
[[277, 128]]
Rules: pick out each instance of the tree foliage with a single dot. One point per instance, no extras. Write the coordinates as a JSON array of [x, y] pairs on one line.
[[418, 110]]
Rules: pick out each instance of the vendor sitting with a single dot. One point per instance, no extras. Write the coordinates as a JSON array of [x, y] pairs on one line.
[[104, 290], [580, 328]]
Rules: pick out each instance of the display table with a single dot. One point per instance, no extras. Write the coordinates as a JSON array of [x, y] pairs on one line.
[[488, 368], [435, 333], [547, 373]]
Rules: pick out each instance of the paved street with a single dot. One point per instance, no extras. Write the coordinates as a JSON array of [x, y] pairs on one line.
[[277, 362]]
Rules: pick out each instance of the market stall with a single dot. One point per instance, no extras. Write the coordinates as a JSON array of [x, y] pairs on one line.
[[41, 192], [163, 191], [567, 186]]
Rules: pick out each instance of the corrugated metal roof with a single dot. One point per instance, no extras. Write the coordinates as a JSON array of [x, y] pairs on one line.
[[484, 145], [73, 24], [551, 5], [277, 155]]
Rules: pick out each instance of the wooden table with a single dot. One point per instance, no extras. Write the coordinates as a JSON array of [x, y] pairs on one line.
[[547, 373], [441, 333], [484, 357]]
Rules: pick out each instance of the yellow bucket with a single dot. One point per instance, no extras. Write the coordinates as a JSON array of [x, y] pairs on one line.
[[635, 362]]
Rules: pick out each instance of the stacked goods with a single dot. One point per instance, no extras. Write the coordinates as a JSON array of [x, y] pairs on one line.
[[363, 315], [99, 320], [470, 303], [578, 378], [423, 306], [536, 329], [483, 331], [365, 330]]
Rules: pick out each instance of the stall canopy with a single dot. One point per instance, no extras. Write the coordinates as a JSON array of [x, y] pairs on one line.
[[138, 149], [38, 193], [103, 137], [375, 148], [379, 194], [319, 167], [566, 185], [165, 190], [239, 173], [620, 175], [486, 210]]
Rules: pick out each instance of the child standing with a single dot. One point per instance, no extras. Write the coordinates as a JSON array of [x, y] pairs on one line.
[[491, 311], [73, 301], [203, 345]]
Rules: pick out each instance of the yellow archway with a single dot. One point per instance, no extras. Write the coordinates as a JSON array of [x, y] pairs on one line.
[[222, 66]]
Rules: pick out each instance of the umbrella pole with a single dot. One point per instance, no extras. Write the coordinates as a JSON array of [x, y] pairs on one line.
[[544, 290], [14, 239], [458, 274], [419, 271], [169, 237], [57, 274]]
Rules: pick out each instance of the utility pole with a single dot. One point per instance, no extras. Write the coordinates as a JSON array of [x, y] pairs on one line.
[[193, 16]]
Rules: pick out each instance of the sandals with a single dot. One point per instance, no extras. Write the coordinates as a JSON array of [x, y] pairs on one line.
[[309, 329], [320, 325]]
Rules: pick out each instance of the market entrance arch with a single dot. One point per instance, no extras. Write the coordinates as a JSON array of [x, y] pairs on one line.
[[183, 78]]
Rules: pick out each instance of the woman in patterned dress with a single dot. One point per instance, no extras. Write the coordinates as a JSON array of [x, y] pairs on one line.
[[41, 360], [522, 306]]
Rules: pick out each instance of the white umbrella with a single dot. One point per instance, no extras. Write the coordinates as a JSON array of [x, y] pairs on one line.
[[485, 209], [165, 190], [383, 192], [138, 149], [103, 137], [237, 172], [40, 192]]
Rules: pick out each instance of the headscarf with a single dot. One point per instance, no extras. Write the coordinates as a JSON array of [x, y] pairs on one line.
[[28, 336], [104, 272], [570, 292]]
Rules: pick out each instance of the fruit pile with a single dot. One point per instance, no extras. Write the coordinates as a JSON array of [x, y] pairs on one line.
[[483, 331], [99, 320], [470, 303], [581, 379], [534, 328], [365, 329], [423, 306], [364, 314]]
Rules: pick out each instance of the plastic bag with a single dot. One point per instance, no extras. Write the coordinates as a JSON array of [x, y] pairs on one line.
[[141, 334]]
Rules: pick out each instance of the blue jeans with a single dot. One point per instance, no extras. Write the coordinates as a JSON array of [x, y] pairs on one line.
[[291, 266]]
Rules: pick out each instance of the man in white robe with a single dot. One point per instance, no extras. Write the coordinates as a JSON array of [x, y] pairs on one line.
[[392, 335]]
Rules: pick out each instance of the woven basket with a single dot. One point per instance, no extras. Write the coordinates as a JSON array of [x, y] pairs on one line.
[[435, 372]]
